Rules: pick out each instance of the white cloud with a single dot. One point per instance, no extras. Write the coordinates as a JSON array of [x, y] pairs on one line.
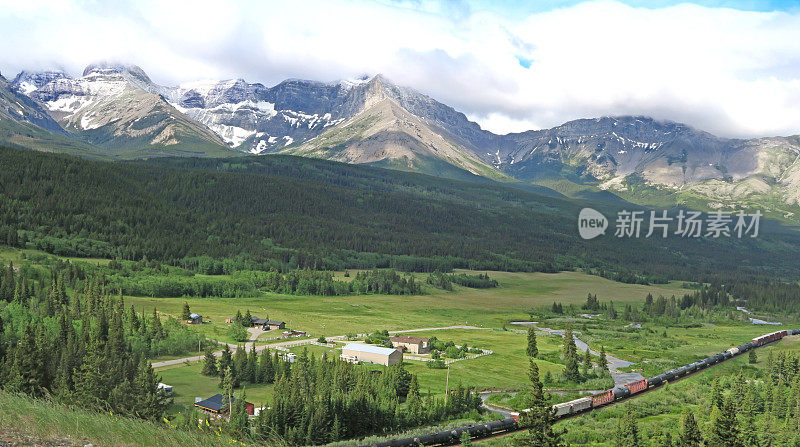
[[734, 73]]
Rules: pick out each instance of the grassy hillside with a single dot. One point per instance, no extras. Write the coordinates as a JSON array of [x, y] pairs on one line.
[[46, 422]]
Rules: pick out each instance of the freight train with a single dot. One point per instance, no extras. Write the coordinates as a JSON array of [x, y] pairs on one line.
[[566, 409]]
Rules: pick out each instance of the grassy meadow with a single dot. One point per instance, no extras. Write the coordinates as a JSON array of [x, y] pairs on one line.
[[338, 315]]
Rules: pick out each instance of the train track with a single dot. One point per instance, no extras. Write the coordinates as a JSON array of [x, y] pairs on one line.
[[616, 402], [613, 396]]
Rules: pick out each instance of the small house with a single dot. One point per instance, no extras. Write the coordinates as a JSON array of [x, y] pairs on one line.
[[271, 324], [414, 345], [195, 319], [219, 405], [266, 324]]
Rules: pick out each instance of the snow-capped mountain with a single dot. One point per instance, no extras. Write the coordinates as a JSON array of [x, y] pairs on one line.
[[251, 117], [26, 82], [116, 107]]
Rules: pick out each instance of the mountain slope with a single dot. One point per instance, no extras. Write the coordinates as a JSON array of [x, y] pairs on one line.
[[384, 133], [24, 123], [112, 107], [649, 161]]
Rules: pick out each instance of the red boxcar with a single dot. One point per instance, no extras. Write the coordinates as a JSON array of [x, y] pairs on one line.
[[638, 386], [603, 398], [769, 338]]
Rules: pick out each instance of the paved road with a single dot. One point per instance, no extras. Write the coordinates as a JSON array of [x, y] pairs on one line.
[[233, 348]]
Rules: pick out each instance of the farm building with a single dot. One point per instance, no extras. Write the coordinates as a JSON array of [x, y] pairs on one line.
[[195, 319], [356, 352], [218, 405], [414, 345], [267, 324]]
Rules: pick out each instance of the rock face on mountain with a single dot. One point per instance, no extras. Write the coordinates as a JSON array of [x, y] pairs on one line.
[[115, 108], [614, 152], [365, 120], [256, 119], [380, 130], [17, 107], [26, 82]]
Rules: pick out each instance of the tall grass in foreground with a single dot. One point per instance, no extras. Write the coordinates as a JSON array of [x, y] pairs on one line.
[[46, 419]]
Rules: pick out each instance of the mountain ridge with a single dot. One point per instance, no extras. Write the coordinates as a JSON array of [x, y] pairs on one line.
[[374, 121]]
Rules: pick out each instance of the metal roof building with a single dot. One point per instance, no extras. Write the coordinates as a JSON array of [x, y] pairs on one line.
[[357, 352]]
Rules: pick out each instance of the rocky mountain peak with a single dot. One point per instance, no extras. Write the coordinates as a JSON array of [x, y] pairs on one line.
[[132, 73], [28, 81]]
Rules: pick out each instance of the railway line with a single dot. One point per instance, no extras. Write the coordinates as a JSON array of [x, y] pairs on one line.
[[607, 398]]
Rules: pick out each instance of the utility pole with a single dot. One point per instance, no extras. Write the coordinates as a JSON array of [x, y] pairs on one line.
[[447, 385]]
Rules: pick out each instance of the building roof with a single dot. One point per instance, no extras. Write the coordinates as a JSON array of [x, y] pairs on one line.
[[259, 320], [408, 339], [195, 316], [369, 348], [217, 402]]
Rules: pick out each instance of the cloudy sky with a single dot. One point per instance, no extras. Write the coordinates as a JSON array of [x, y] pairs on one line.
[[729, 67]]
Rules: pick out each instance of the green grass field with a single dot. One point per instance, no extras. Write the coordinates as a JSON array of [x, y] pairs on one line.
[[188, 383], [319, 315]]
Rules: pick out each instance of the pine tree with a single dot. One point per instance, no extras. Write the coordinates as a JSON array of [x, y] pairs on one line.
[[210, 363], [28, 368], [186, 312], [571, 372], [611, 313], [225, 361], [239, 364], [627, 434], [466, 441], [690, 435], [251, 366], [603, 362], [149, 399], [753, 359], [587, 363], [749, 435], [724, 427], [540, 417], [716, 394], [239, 424], [228, 383], [532, 350]]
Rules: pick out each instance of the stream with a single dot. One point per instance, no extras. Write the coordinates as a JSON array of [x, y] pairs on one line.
[[620, 378]]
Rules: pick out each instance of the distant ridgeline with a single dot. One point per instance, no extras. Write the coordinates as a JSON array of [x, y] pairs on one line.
[[285, 213]]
